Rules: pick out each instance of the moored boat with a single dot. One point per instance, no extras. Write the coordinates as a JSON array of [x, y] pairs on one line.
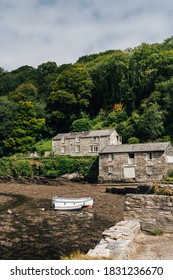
[[85, 201], [67, 207]]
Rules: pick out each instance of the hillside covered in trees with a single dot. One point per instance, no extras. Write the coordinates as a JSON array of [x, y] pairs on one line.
[[129, 90]]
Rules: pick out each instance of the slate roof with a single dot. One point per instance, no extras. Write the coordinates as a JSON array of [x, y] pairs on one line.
[[130, 148], [85, 134]]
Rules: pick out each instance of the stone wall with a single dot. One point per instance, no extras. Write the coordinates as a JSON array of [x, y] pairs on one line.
[[117, 241], [152, 211]]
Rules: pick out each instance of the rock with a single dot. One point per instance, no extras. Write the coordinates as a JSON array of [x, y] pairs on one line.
[[73, 176], [9, 211]]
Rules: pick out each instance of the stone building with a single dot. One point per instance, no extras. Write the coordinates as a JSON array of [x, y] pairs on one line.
[[85, 143], [135, 162]]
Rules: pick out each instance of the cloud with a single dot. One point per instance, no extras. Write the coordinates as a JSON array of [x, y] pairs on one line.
[[36, 31]]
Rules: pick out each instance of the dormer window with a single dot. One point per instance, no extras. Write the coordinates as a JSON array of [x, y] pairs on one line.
[[62, 140]]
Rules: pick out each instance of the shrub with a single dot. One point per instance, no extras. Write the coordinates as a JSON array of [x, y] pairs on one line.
[[22, 168], [5, 166], [50, 166], [43, 146], [133, 140], [165, 190]]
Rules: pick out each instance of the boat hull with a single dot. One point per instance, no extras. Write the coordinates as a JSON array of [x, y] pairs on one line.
[[68, 207], [85, 201]]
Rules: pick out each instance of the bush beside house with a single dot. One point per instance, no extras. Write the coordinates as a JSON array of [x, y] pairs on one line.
[[50, 167]]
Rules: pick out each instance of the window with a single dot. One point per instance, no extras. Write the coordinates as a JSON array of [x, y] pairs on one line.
[[131, 158], [110, 169], [149, 170], [62, 140], [63, 150], [77, 139], [110, 157], [149, 156], [77, 149], [94, 148]]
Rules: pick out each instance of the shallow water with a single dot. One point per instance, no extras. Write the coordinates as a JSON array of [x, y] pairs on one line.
[[36, 231]]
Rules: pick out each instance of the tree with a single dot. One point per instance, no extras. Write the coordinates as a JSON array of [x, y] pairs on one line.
[[82, 124], [8, 111], [70, 94], [24, 92], [109, 73], [151, 123], [26, 129]]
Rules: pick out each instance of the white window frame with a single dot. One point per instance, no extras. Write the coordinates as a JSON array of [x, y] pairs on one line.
[[77, 140], [94, 149], [110, 157], [149, 170], [63, 149], [110, 169], [77, 149], [62, 140]]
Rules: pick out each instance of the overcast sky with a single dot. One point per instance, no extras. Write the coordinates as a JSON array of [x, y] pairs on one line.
[[33, 32]]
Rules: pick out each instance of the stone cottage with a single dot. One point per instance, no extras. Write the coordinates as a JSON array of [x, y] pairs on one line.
[[84, 143], [135, 162]]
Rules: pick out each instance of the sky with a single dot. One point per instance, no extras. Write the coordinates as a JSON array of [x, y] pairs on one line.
[[33, 32]]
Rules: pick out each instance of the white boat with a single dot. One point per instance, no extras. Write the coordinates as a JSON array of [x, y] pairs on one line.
[[85, 201], [67, 207]]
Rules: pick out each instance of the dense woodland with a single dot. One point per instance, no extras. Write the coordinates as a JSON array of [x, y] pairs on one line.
[[131, 91]]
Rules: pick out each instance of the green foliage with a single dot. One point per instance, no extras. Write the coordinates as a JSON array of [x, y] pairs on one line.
[[56, 166], [70, 94], [24, 92], [22, 167], [26, 128], [43, 146], [133, 140], [82, 124], [129, 90], [170, 173], [50, 167], [151, 123], [5, 166]]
